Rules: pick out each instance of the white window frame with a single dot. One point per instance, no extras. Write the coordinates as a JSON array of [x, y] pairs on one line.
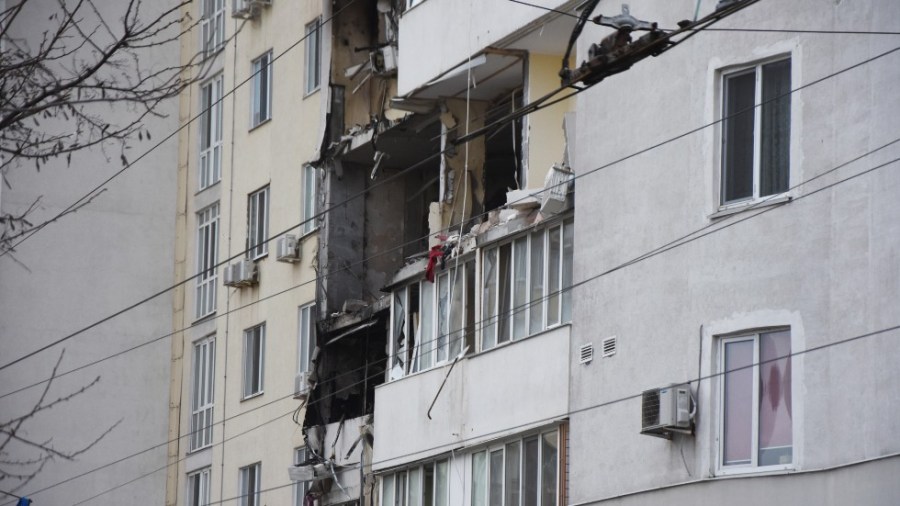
[[249, 484], [558, 295], [392, 480], [254, 366], [301, 488], [258, 223], [207, 259], [212, 26], [198, 484], [503, 447], [312, 79], [752, 467], [203, 378], [261, 106], [757, 70], [310, 184], [306, 337], [211, 132]]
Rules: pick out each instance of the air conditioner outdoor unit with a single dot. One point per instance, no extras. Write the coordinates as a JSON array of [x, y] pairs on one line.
[[301, 385], [666, 410], [248, 8], [241, 273], [287, 249]]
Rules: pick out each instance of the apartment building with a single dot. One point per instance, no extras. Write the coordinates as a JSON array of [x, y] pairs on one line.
[[246, 246], [778, 261]]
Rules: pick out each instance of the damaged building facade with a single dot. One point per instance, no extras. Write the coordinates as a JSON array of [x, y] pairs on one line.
[[447, 340]]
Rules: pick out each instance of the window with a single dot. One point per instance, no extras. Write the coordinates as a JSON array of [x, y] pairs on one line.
[[756, 422], [258, 224], [211, 133], [307, 338], [261, 100], [525, 284], [249, 483], [756, 140], [431, 320], [301, 488], [309, 198], [212, 26], [254, 358], [425, 485], [207, 258], [524, 472], [198, 488], [313, 55], [202, 389]]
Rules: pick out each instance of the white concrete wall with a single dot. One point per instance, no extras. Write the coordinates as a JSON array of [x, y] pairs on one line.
[[826, 264], [114, 252], [478, 403]]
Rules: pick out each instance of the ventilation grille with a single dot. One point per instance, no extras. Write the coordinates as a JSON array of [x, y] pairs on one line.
[[587, 353], [608, 347]]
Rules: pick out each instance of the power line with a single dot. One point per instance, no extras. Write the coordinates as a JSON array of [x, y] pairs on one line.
[[614, 162], [685, 239]]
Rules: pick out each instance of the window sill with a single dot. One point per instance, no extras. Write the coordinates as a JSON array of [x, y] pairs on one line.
[[195, 451], [311, 92], [306, 235], [755, 471], [252, 396], [749, 205], [259, 257], [207, 187], [203, 319], [261, 123]]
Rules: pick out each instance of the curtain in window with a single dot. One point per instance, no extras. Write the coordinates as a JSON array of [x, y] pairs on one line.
[[738, 402], [775, 399], [776, 128]]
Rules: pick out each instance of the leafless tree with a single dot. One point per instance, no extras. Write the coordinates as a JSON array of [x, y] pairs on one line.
[[23, 458], [56, 93]]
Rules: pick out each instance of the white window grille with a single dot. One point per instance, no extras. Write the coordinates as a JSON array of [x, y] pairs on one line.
[[249, 491], [310, 177], [212, 26], [301, 488], [207, 258], [313, 55], [211, 133], [258, 224], [261, 90], [254, 359], [306, 339], [198, 488], [520, 472], [202, 393]]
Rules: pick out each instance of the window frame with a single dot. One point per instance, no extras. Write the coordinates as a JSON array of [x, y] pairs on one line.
[[306, 341], [261, 68], [753, 467], [212, 14], [300, 488], [758, 110], [503, 446], [419, 468], [194, 479], [254, 366], [258, 237], [308, 206], [211, 128], [207, 260], [203, 383], [244, 486], [312, 57]]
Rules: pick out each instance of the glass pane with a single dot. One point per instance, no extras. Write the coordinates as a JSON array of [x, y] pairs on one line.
[[553, 276], [503, 293], [426, 337], [738, 405], [443, 315], [428, 486], [775, 412], [470, 302], [568, 254], [512, 474], [495, 497], [387, 490], [530, 473], [457, 309], [440, 483], [400, 489], [737, 137], [536, 318], [478, 478], [398, 335], [520, 287], [415, 487], [774, 160], [489, 304], [548, 469]]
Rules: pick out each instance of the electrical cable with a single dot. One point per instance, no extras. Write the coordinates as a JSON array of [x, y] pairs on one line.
[[577, 176], [688, 238]]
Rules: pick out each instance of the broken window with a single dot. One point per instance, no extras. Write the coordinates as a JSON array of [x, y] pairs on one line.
[[503, 167], [525, 284]]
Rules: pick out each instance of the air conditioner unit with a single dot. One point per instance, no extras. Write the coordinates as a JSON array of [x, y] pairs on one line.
[[556, 189], [240, 273], [301, 385], [287, 249], [248, 8], [666, 410]]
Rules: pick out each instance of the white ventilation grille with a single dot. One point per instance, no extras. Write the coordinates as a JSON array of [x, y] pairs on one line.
[[586, 353], [608, 347]]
